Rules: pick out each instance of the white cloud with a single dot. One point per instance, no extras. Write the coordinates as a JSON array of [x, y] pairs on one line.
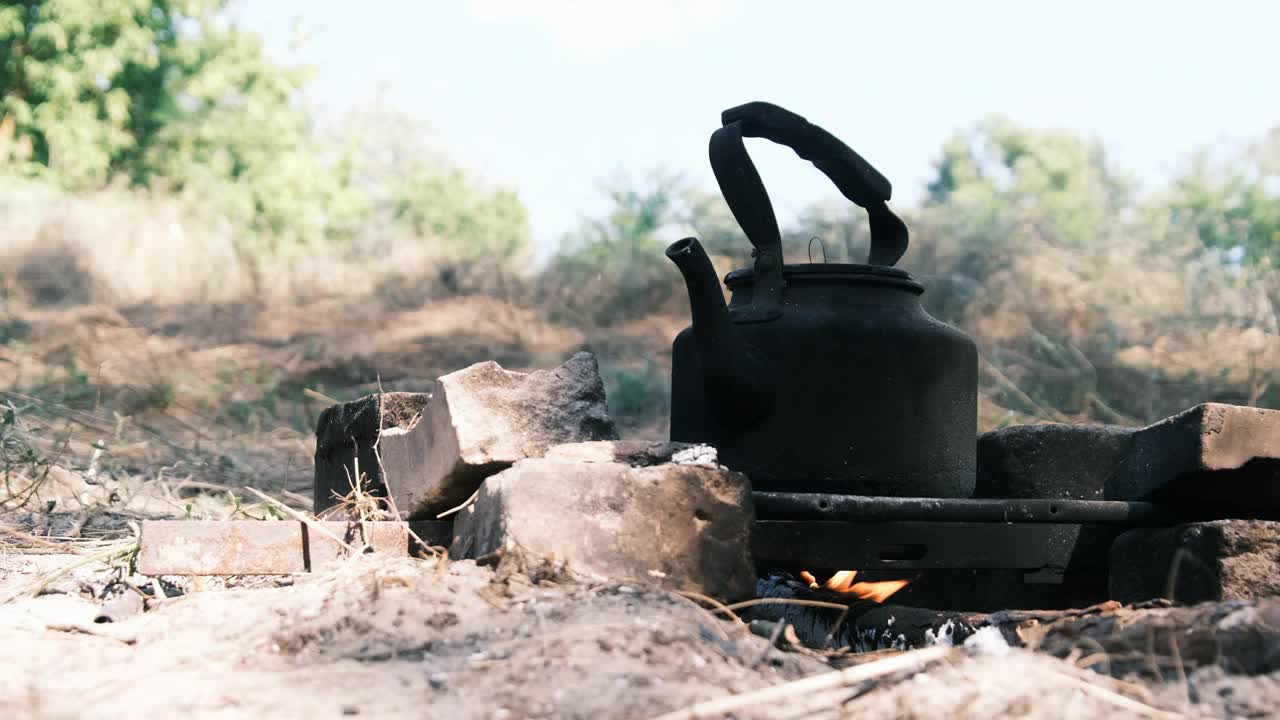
[[595, 27]]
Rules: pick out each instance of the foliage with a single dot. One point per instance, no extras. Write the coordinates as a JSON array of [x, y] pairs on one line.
[[612, 268], [832, 231], [639, 396], [170, 96], [480, 232], [1051, 182], [164, 93], [1233, 205]]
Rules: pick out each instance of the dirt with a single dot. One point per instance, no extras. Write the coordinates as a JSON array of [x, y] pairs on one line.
[[381, 638], [400, 637]]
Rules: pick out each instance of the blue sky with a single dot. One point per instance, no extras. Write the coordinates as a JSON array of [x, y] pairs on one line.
[[551, 97]]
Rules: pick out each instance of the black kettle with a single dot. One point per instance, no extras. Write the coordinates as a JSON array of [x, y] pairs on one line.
[[820, 378]]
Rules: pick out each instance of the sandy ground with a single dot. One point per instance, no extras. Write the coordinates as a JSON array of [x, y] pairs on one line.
[[381, 638], [403, 637]]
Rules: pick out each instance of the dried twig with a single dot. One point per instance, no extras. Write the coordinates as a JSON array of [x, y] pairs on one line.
[[781, 693], [1120, 701], [787, 601], [36, 541], [778, 629], [91, 630], [712, 620], [107, 556], [317, 395], [719, 606], [461, 507], [313, 524]]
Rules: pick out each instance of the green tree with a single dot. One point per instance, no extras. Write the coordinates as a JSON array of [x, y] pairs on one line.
[[612, 268], [475, 224], [1052, 182], [478, 237], [1232, 204], [169, 95]]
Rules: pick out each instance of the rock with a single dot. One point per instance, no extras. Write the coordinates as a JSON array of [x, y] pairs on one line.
[[345, 438], [1217, 560], [682, 527], [636, 453], [1050, 461], [484, 418], [1212, 452]]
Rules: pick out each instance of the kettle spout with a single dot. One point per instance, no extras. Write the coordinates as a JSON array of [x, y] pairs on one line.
[[730, 373]]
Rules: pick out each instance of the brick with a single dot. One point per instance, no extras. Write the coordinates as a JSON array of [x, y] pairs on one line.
[[484, 418], [1050, 461], [345, 439], [1218, 560], [251, 547], [382, 536], [1212, 452], [683, 527], [199, 547]]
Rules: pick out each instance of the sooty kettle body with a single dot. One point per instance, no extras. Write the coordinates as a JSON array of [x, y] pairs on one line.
[[820, 378]]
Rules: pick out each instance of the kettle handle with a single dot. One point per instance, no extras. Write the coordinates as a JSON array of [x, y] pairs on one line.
[[745, 193]]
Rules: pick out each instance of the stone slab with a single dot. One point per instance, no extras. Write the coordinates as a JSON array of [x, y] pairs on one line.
[[684, 527], [251, 547], [1216, 453], [484, 418], [1212, 452], [1197, 562], [345, 438]]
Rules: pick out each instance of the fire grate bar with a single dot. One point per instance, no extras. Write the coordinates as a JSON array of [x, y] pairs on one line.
[[867, 508], [780, 544]]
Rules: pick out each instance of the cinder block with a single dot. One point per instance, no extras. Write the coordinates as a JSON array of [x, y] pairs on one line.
[[481, 420], [345, 439], [1218, 560], [1050, 461], [1212, 452]]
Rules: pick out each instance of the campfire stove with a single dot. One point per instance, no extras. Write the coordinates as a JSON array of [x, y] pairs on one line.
[[854, 414], [971, 554]]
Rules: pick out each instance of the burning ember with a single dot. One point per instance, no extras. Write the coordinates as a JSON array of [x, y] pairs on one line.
[[842, 582]]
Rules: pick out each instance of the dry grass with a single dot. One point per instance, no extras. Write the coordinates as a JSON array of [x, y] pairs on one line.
[[147, 369], [1123, 335], [152, 363], [124, 247]]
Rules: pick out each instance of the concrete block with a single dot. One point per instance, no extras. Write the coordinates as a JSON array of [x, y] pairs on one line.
[[1212, 452], [1218, 560], [484, 418], [681, 527], [345, 439], [1050, 461]]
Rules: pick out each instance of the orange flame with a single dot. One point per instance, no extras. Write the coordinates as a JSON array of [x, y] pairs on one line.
[[842, 582]]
